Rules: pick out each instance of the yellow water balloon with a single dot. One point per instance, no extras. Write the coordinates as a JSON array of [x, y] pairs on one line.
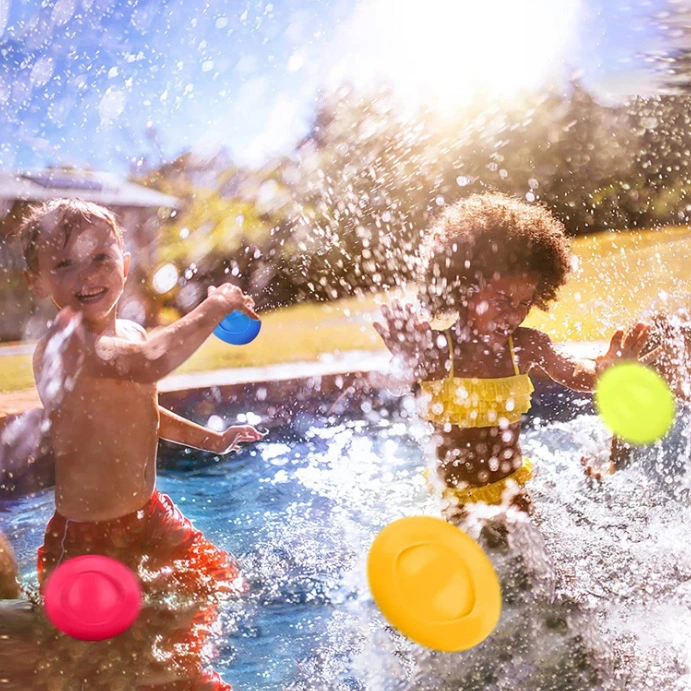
[[434, 583], [635, 403]]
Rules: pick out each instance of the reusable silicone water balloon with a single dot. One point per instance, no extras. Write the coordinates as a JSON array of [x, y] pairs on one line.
[[635, 402], [238, 329], [434, 583], [92, 598]]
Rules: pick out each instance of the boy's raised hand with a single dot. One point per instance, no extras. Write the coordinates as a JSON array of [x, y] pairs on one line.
[[229, 297], [237, 434], [61, 359], [404, 333], [627, 346]]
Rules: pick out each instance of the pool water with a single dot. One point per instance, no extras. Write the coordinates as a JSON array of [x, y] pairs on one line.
[[597, 584]]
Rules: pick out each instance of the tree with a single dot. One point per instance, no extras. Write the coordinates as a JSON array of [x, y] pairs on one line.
[[230, 226]]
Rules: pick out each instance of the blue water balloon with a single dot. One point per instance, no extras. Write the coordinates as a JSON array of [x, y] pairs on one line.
[[238, 329]]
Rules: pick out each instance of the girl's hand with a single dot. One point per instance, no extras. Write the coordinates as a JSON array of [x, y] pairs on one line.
[[229, 298], [405, 334], [238, 434], [627, 347]]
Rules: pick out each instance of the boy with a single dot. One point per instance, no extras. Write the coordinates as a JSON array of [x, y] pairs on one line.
[[97, 378]]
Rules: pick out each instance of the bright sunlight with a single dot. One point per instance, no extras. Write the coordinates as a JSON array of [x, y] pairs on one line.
[[445, 53]]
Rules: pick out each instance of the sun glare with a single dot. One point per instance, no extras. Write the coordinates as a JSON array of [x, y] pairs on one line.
[[448, 52]]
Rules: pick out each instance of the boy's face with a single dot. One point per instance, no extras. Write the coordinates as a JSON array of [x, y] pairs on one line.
[[87, 274], [501, 305]]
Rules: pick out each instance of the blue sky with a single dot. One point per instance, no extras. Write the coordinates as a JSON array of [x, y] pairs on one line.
[[82, 81]]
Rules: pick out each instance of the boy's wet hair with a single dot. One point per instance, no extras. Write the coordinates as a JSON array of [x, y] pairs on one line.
[[489, 236], [66, 215]]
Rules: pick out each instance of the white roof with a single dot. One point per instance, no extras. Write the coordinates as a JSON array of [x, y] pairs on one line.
[[103, 188]]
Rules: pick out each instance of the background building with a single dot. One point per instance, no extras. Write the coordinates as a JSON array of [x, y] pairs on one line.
[[139, 210]]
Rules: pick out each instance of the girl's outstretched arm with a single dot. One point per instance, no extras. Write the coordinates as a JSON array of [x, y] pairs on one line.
[[575, 374], [581, 375], [409, 338]]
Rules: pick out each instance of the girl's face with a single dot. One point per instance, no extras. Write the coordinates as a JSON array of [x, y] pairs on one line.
[[500, 306]]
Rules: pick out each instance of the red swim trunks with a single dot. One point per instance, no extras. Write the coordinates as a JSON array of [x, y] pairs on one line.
[[171, 558], [157, 542]]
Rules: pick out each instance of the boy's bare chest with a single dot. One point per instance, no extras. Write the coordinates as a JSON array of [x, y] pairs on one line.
[[109, 406]]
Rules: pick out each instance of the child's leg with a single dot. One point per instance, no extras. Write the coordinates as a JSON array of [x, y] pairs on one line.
[[523, 502], [619, 458], [619, 455], [454, 513], [9, 576]]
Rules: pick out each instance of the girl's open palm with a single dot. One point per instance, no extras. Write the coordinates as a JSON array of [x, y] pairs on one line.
[[404, 333]]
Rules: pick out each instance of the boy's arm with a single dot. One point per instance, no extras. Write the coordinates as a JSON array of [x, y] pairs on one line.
[[180, 430], [149, 361], [58, 358]]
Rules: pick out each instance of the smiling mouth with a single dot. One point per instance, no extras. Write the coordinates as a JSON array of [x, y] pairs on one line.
[[88, 296]]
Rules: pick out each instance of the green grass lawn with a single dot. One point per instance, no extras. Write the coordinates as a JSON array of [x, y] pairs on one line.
[[617, 278], [15, 373], [293, 334]]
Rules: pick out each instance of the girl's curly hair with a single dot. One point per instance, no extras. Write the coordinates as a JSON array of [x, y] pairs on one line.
[[487, 236]]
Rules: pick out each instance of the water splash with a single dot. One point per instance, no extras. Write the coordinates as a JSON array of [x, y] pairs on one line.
[[597, 585]]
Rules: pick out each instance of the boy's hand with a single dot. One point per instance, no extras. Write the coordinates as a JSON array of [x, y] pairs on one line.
[[236, 435], [405, 334], [62, 357], [627, 347], [229, 298]]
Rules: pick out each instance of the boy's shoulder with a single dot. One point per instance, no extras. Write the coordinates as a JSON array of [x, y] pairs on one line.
[[130, 331]]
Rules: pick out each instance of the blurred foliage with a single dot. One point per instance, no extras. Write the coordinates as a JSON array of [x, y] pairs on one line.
[[343, 214], [671, 60], [641, 266], [232, 224]]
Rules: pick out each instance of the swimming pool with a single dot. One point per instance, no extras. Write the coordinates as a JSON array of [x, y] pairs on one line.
[[609, 605]]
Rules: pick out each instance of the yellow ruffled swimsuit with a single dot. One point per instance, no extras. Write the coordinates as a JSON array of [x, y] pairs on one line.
[[473, 402]]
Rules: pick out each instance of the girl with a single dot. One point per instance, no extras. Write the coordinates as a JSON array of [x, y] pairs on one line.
[[490, 259]]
